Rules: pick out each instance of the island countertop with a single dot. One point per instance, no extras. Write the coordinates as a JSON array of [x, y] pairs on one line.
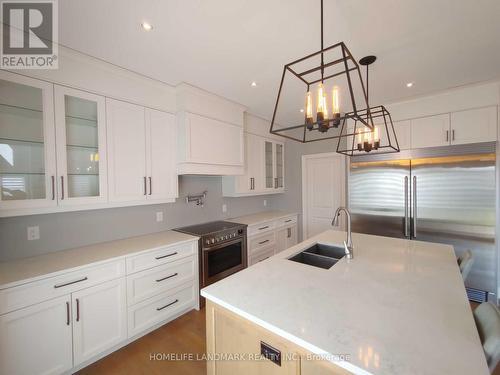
[[398, 307]]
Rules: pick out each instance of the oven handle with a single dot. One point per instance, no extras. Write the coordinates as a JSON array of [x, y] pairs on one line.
[[224, 244]]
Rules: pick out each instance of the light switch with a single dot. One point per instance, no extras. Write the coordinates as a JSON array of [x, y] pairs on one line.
[[159, 216], [33, 233]]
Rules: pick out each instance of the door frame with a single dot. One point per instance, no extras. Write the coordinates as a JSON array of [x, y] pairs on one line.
[[344, 185]]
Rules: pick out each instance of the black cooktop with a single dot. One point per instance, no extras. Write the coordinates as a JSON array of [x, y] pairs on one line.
[[208, 228]]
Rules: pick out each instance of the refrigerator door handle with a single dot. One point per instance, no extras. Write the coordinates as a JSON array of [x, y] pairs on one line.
[[406, 206], [414, 206]]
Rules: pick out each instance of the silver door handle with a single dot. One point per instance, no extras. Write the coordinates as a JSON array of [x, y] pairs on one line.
[[67, 314], [145, 186], [150, 185], [447, 135], [62, 187], [414, 206], [77, 310], [406, 206]]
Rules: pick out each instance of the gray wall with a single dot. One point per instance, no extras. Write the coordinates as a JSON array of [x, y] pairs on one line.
[[73, 229], [292, 199]]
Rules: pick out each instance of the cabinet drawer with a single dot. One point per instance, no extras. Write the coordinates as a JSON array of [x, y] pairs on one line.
[[286, 221], [156, 309], [160, 256], [263, 254], [145, 284], [38, 291], [256, 244], [260, 228]]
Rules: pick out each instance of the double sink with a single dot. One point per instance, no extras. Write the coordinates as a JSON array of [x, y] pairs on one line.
[[320, 255]]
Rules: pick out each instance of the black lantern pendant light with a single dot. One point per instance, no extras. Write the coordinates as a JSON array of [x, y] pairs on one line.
[[357, 139], [323, 76]]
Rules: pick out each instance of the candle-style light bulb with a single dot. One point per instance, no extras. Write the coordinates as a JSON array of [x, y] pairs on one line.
[[335, 106], [309, 115], [321, 100]]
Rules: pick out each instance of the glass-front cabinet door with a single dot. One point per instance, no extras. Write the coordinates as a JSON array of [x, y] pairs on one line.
[[27, 143], [81, 140], [268, 164], [279, 181]]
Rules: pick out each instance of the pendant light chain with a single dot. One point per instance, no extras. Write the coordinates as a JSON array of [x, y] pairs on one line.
[[322, 47]]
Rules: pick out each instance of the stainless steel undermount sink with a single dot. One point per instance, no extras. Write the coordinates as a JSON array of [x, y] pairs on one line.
[[320, 255]]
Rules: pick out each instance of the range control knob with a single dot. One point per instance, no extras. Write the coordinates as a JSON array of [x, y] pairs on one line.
[[207, 242], [213, 240]]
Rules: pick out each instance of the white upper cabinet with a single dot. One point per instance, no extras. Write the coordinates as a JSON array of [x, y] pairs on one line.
[[161, 145], [142, 153], [211, 137], [475, 125], [432, 131], [264, 169], [81, 147], [126, 133], [27, 143]]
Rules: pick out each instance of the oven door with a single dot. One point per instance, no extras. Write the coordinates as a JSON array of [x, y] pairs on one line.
[[223, 260]]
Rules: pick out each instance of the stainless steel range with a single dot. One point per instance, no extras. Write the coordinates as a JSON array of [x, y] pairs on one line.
[[222, 249]]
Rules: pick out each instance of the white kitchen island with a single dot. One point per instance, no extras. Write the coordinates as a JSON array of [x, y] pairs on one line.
[[398, 307]]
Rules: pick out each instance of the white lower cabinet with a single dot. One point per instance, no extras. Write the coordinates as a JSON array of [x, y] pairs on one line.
[[286, 237], [99, 319], [268, 238], [37, 339], [62, 323]]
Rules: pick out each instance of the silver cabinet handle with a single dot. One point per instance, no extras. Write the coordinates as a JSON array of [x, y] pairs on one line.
[[406, 205], [287, 221], [165, 256], [77, 310], [262, 228], [166, 277], [150, 185], [414, 206], [453, 135], [71, 282], [145, 186], [263, 242], [67, 314], [62, 187], [167, 305], [447, 135], [52, 178], [289, 232]]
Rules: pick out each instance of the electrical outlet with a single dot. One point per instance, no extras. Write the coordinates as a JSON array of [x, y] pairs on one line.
[[265, 202], [224, 208], [33, 233], [159, 216]]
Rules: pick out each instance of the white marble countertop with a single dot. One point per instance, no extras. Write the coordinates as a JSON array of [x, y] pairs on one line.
[[24, 270], [261, 217], [398, 307]]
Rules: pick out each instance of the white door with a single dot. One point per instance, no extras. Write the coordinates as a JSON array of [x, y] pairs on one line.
[[475, 125], [37, 339], [161, 146], [126, 135], [27, 143], [323, 191], [81, 147], [430, 131], [99, 319]]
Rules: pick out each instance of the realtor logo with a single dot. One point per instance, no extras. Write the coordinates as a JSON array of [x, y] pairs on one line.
[[29, 34]]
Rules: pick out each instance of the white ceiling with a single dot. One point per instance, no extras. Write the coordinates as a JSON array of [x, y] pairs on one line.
[[224, 45]]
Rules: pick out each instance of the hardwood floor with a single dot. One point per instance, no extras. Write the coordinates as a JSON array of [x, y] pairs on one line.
[[186, 334]]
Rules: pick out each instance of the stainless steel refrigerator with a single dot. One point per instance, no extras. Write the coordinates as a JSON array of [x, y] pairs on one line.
[[444, 195]]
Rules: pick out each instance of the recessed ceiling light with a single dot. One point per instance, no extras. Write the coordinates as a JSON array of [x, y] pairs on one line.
[[147, 26], [409, 84], [253, 84], [301, 110]]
